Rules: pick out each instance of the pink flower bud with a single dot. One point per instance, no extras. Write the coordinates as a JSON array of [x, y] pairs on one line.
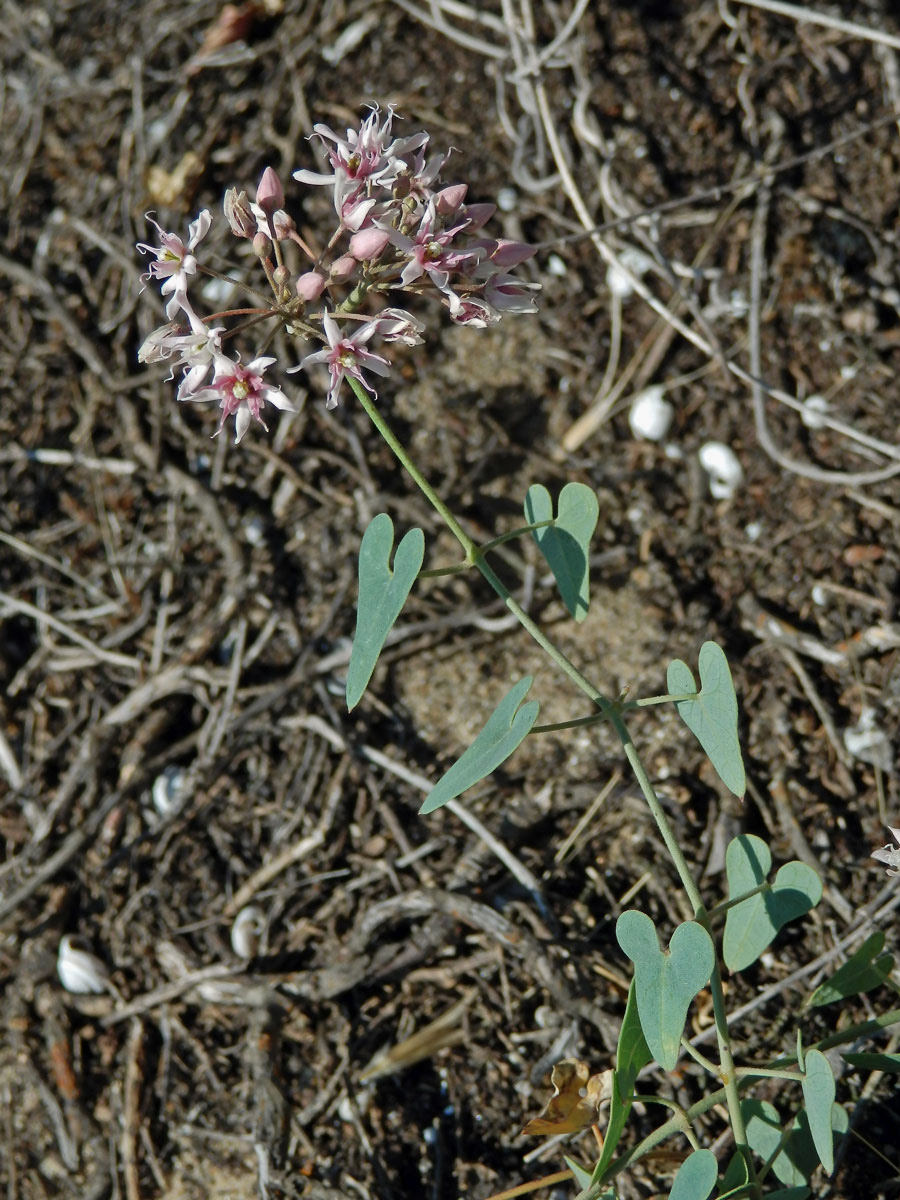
[[269, 193], [238, 213], [448, 199], [478, 215], [342, 268], [310, 285], [261, 245], [282, 275], [368, 243], [510, 254]]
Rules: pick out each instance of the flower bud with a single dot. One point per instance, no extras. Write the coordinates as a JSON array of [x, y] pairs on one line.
[[368, 243], [448, 199], [477, 215], [342, 268], [310, 285], [269, 193], [282, 276], [238, 213], [509, 254], [261, 245]]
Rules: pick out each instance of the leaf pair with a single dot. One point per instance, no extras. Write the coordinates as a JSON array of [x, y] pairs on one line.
[[382, 594], [383, 590]]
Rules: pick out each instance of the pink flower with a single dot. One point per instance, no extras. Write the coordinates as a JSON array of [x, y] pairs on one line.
[[195, 351], [241, 393], [346, 356], [430, 252], [175, 260], [364, 155]]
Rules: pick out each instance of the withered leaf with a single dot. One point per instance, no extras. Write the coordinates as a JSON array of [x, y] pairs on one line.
[[576, 1099]]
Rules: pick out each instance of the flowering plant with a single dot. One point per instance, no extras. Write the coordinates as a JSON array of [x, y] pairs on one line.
[[394, 232], [397, 232]]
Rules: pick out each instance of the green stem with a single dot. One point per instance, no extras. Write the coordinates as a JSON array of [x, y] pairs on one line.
[[648, 700], [613, 710]]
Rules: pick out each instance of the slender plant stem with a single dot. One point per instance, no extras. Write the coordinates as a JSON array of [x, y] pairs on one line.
[[613, 710]]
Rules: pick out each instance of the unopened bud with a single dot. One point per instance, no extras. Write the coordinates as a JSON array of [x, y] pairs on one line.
[[310, 285], [477, 215], [342, 268], [282, 276], [238, 213], [448, 199], [368, 244], [269, 193], [261, 245]]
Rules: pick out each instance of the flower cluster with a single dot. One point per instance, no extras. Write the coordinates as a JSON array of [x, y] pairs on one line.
[[397, 231]]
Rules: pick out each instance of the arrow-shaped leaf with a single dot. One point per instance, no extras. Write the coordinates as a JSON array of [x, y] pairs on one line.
[[506, 727], [712, 716], [566, 543], [818, 1093], [382, 594], [865, 970]]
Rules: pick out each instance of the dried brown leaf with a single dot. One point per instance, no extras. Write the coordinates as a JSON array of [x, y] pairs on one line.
[[576, 1099]]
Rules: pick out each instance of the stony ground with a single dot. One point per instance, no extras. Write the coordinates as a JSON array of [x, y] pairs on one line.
[[175, 612]]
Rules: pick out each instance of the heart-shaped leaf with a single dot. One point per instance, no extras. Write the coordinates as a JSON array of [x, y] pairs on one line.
[[665, 982], [752, 924], [566, 543], [862, 972], [696, 1177], [382, 594], [818, 1093], [712, 716], [506, 727]]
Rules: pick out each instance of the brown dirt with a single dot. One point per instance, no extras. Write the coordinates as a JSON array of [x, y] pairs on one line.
[[137, 552]]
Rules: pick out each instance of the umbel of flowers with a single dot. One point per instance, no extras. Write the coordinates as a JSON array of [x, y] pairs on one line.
[[398, 233]]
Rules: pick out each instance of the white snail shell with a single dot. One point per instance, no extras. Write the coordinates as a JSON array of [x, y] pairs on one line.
[[721, 465], [80, 971], [246, 930]]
